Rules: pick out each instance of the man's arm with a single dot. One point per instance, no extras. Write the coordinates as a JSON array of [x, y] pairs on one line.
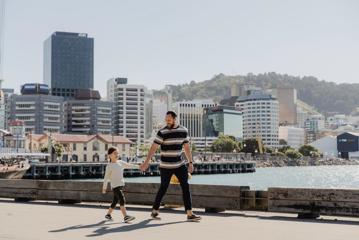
[[187, 152], [150, 154]]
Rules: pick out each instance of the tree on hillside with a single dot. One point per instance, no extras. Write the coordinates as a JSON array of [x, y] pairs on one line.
[[325, 96]]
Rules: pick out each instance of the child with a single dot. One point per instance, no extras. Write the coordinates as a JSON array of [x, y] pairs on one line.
[[114, 174]]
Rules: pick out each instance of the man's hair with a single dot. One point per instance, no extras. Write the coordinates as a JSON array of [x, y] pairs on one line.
[[172, 113], [111, 150]]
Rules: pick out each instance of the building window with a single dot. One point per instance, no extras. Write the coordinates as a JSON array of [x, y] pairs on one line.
[[123, 147], [74, 146], [85, 158], [106, 146], [85, 147], [95, 146]]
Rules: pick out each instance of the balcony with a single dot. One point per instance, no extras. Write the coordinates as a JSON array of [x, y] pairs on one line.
[[80, 118], [81, 129], [80, 123]]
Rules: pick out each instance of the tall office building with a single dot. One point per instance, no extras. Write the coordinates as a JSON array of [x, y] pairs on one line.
[[287, 98], [260, 117], [68, 63], [148, 114], [223, 120], [7, 92], [2, 110], [190, 115], [128, 109], [88, 114], [313, 125], [39, 111]]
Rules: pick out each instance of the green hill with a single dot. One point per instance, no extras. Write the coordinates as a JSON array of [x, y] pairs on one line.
[[327, 97]]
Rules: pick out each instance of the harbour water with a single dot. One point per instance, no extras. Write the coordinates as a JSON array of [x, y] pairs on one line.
[[304, 177]]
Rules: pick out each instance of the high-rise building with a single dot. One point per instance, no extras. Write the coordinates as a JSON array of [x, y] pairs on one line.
[[39, 111], [260, 117], [7, 92], [87, 114], [128, 109], [190, 115], [304, 111], [148, 114], [223, 120], [313, 125], [287, 98], [68, 63], [2, 110]]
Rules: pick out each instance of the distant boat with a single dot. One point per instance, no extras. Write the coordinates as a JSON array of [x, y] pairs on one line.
[[15, 165]]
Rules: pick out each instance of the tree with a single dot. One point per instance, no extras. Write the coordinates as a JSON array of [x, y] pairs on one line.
[[293, 154], [284, 149], [283, 142], [44, 150], [193, 147], [308, 150], [144, 148], [225, 144], [59, 149], [268, 150], [250, 146]]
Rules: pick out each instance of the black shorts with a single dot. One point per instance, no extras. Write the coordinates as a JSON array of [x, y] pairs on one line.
[[118, 196]]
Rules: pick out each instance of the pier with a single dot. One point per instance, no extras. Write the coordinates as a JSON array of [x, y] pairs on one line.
[[97, 170], [67, 209]]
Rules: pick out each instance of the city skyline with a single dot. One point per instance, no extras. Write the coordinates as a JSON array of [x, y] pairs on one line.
[[163, 43]]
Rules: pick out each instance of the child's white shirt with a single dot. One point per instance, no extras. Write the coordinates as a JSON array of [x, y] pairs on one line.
[[114, 173]]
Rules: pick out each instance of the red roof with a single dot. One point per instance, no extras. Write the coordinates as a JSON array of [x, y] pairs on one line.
[[116, 139], [80, 138]]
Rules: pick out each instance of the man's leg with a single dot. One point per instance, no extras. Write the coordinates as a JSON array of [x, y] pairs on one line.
[[182, 175], [166, 175]]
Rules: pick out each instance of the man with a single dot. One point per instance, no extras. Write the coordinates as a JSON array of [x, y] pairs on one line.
[[172, 139]]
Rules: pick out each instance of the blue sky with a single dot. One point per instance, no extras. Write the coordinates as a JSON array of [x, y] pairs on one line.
[[162, 42]]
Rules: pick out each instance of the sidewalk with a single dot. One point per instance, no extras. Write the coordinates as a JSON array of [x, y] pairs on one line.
[[41, 220]]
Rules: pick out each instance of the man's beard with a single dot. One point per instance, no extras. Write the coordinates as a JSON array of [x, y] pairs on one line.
[[171, 125]]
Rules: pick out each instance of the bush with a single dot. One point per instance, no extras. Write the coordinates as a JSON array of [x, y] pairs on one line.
[[278, 154], [293, 154], [225, 144], [308, 150]]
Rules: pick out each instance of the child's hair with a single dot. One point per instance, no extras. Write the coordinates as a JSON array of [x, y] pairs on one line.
[[111, 150]]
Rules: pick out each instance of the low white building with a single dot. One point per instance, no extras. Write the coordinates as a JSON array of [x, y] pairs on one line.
[[327, 146], [203, 143], [294, 136], [81, 148]]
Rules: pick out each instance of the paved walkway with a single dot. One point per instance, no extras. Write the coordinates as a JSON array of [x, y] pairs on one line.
[[50, 221]]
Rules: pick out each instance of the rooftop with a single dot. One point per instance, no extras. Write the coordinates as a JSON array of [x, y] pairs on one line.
[[256, 95], [81, 138]]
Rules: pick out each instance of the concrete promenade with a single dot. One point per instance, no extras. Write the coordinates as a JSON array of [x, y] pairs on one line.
[[51, 221]]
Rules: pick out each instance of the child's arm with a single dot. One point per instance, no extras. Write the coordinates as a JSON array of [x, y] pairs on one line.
[[129, 165], [106, 179]]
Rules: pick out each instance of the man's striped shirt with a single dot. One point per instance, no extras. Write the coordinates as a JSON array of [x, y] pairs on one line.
[[171, 141]]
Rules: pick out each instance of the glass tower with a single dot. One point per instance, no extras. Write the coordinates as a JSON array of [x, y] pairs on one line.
[[68, 63]]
